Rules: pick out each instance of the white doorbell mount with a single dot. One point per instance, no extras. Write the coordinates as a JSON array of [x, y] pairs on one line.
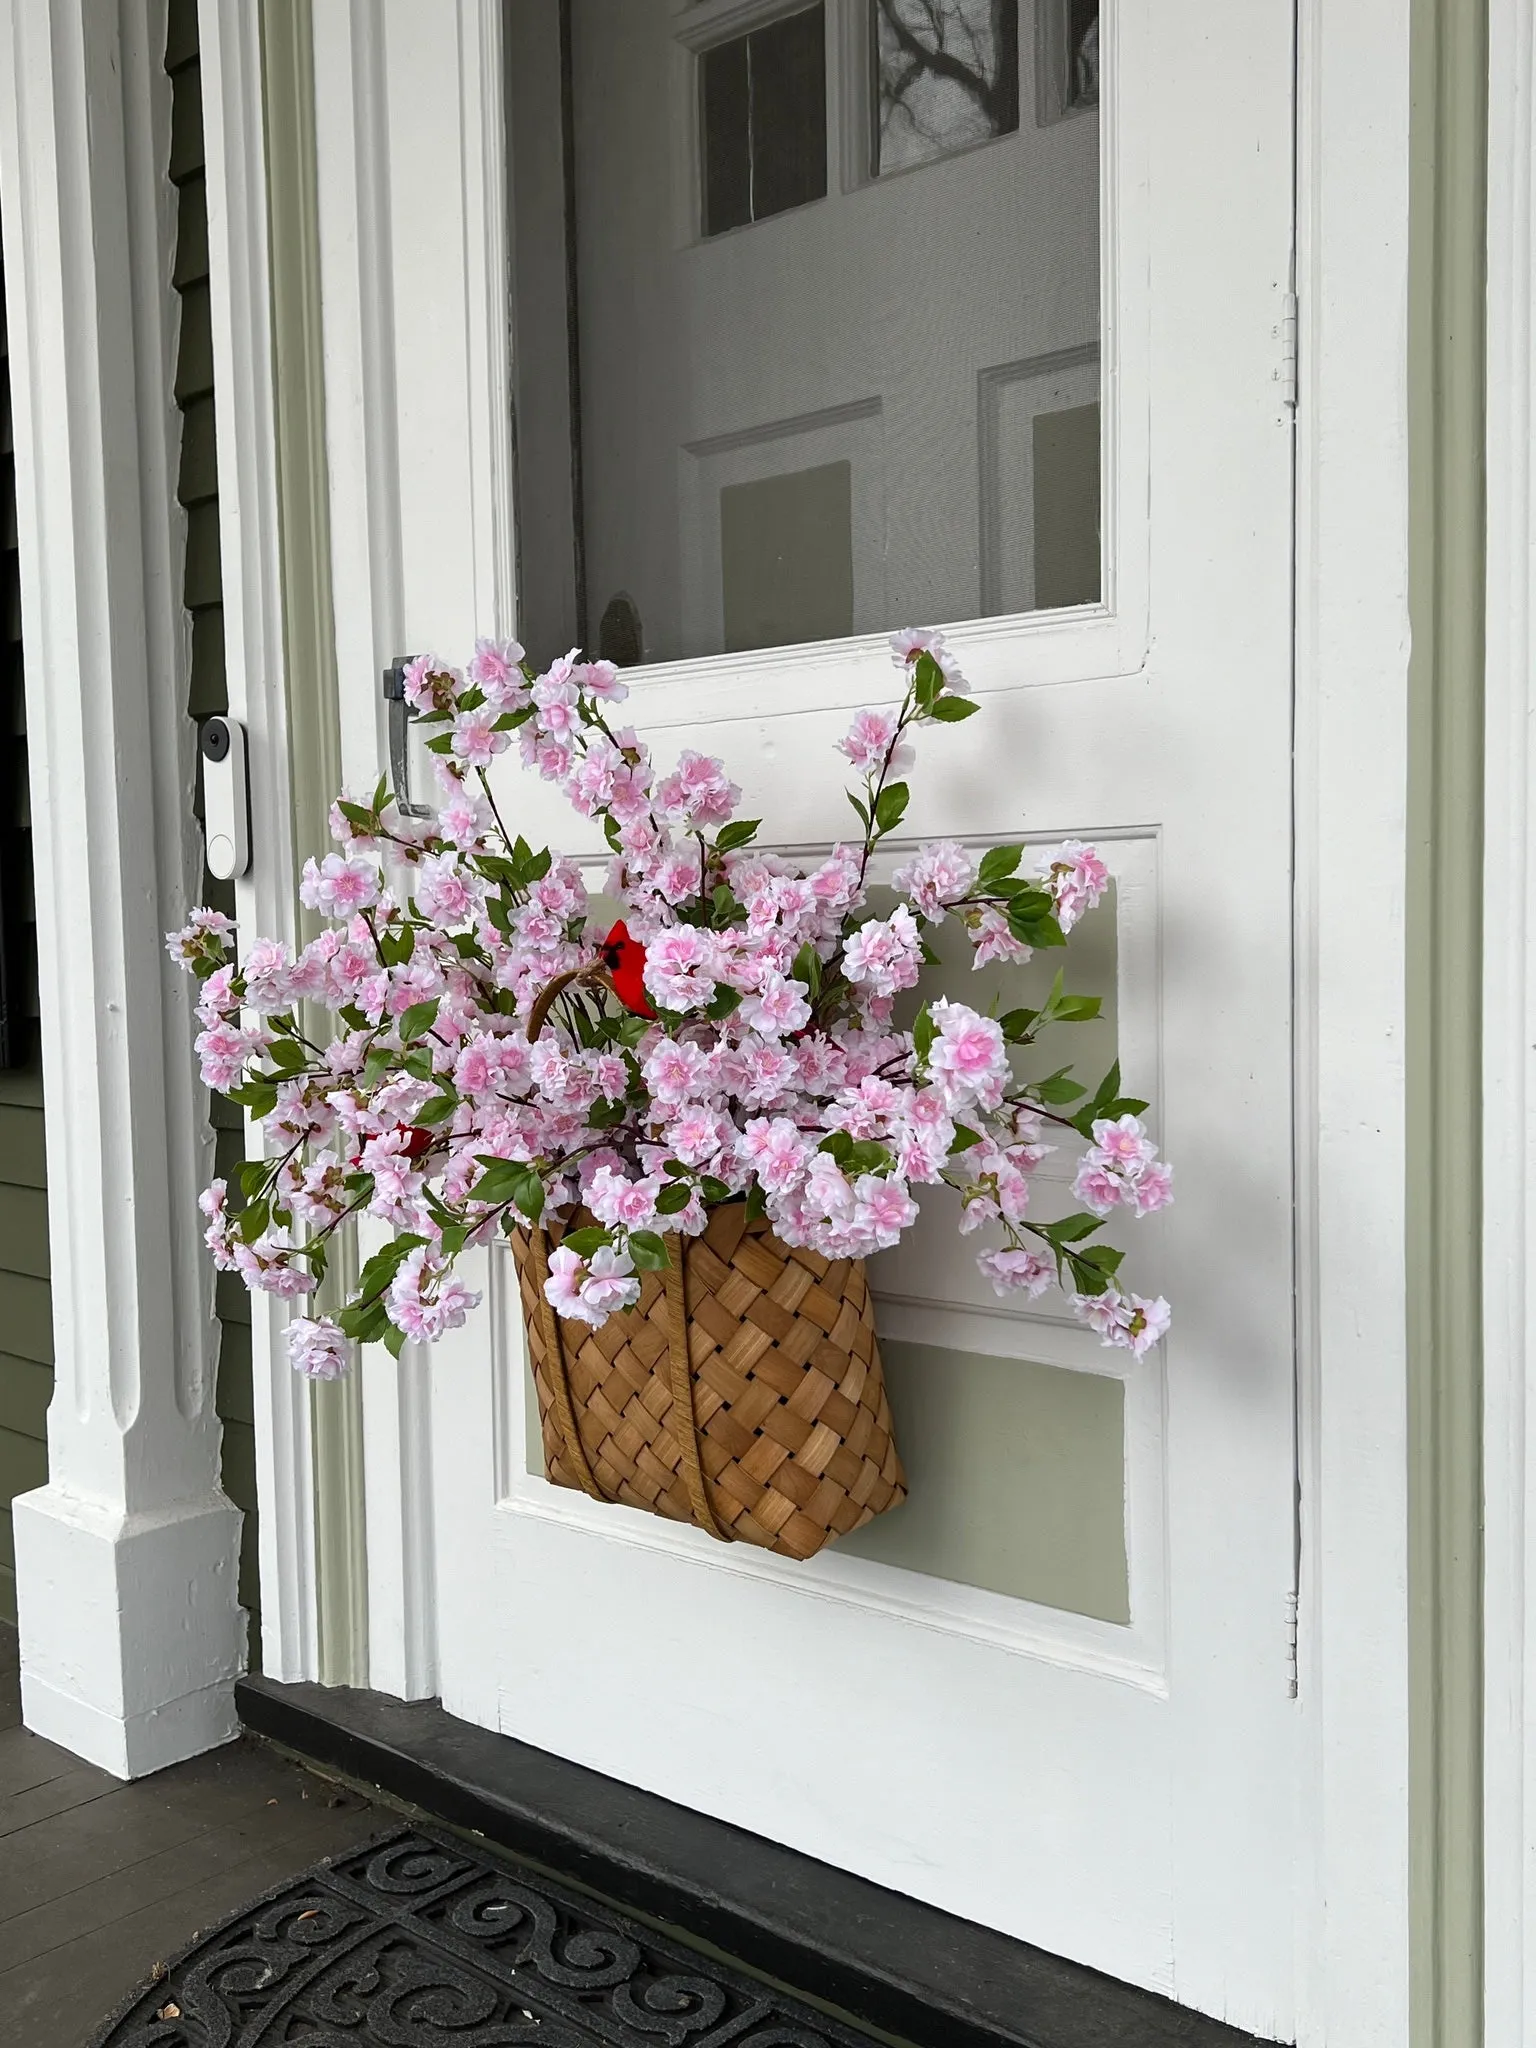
[[226, 798]]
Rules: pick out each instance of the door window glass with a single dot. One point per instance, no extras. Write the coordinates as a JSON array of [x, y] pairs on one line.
[[946, 76], [806, 318]]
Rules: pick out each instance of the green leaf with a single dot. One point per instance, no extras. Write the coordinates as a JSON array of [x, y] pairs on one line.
[[741, 833], [1103, 1257], [611, 832], [1107, 1089], [924, 1032], [1067, 1229], [964, 1139], [420, 1017], [394, 1341], [860, 806], [998, 864], [1088, 1279], [927, 680], [504, 1180], [713, 1190], [253, 1174], [757, 1203], [1076, 1009], [253, 1220], [440, 743], [674, 1196], [287, 1057], [648, 1251], [259, 1097], [396, 947], [1016, 1025], [385, 1263], [1057, 1088], [806, 967], [359, 814], [365, 1322], [866, 1156], [539, 864], [837, 1145], [726, 1000], [437, 1110], [950, 710], [891, 806], [585, 1242]]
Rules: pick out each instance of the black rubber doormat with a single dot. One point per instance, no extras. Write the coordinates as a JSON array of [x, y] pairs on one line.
[[413, 1942]]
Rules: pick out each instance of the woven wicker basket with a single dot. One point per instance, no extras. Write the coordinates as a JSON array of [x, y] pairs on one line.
[[759, 1414]]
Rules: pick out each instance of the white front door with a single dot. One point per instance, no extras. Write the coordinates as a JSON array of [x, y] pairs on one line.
[[828, 320]]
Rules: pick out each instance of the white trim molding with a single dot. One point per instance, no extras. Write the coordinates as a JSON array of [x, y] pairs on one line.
[[1352, 647], [1509, 1044], [250, 551], [126, 1560]]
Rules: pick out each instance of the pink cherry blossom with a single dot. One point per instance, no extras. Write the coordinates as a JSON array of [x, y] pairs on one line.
[[698, 791], [1125, 1322], [317, 1349], [476, 742], [869, 744], [968, 1061], [885, 954], [778, 1008], [1015, 1270], [936, 877], [1076, 878], [496, 667]]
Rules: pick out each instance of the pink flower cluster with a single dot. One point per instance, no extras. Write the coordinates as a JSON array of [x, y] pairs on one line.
[[753, 1031]]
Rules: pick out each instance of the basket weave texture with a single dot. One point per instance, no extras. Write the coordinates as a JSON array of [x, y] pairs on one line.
[[759, 1414]]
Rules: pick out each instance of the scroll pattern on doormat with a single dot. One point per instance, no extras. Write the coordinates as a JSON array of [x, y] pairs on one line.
[[414, 1942]]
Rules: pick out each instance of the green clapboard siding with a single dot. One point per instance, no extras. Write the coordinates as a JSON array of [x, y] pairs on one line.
[[26, 1332], [197, 490]]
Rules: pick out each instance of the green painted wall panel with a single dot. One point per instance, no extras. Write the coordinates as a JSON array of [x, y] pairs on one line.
[[23, 1232], [26, 1316], [25, 1391], [21, 1147], [194, 359]]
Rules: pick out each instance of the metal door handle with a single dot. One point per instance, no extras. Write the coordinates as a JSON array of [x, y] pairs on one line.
[[400, 716]]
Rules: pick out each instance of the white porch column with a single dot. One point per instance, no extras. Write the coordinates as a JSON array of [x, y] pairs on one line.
[[131, 1633]]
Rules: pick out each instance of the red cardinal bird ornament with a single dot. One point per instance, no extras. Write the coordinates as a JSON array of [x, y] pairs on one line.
[[624, 959]]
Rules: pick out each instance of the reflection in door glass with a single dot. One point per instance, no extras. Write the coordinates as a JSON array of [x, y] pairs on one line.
[[946, 76], [806, 318]]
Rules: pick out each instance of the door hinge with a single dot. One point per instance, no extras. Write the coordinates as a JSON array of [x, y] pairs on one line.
[[1285, 334], [1292, 1609]]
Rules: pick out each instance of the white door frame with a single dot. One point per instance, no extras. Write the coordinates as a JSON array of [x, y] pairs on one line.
[[1352, 1960], [1509, 1044]]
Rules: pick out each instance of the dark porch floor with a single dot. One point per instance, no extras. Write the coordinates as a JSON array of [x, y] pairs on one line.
[[100, 1880]]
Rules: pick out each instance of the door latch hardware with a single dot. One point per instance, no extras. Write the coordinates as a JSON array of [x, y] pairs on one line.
[[400, 716]]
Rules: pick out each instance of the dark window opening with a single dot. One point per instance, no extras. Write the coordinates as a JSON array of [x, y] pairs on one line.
[[763, 120]]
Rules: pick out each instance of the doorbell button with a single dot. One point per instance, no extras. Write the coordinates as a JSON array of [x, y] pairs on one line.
[[226, 798]]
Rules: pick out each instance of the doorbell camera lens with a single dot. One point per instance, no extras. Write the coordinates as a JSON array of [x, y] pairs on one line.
[[215, 739]]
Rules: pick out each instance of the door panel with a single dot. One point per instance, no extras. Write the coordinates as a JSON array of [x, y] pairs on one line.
[[1092, 1752]]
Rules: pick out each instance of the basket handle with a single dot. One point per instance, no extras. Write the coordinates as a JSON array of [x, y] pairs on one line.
[[559, 1382], [682, 1392], [677, 1328]]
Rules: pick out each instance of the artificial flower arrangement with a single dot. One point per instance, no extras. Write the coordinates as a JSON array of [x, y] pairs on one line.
[[497, 1062]]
